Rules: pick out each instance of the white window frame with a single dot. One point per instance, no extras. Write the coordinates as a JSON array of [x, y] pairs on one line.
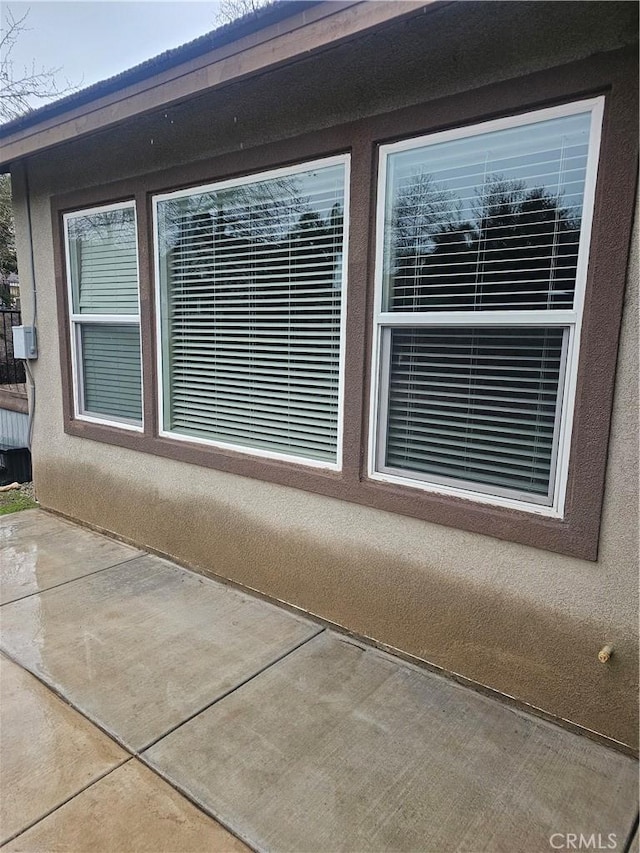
[[340, 159], [77, 320], [571, 320]]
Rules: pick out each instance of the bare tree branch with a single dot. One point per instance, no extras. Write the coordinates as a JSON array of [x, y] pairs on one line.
[[231, 10], [19, 88]]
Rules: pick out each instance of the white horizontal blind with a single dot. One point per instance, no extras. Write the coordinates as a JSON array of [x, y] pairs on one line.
[[477, 229], [102, 261], [487, 222], [475, 404], [111, 370], [251, 294]]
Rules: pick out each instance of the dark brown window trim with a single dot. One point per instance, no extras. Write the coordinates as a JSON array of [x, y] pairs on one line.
[[577, 534]]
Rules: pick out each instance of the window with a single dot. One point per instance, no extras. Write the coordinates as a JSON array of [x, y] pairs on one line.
[[471, 306], [251, 294], [483, 238], [102, 275]]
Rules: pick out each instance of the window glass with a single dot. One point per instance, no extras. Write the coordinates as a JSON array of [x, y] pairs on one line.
[[478, 220], [111, 370], [102, 262], [251, 279], [487, 222], [475, 405]]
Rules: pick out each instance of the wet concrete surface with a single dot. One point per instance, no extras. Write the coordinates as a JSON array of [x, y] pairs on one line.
[[144, 645], [340, 748], [49, 752], [131, 809], [292, 736], [39, 551]]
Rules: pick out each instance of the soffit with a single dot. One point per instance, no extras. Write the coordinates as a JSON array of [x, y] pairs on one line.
[[319, 28]]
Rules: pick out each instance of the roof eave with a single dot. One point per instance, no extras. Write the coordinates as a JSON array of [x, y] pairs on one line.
[[314, 28]]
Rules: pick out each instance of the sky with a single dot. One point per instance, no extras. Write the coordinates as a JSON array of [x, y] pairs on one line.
[[96, 39]]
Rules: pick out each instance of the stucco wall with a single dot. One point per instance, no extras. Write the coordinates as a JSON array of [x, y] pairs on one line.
[[523, 621]]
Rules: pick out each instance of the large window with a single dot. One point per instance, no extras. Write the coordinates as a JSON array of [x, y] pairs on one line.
[[251, 294], [471, 381], [102, 272], [483, 238]]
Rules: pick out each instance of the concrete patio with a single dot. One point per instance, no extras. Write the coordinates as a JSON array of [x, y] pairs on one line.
[[147, 708]]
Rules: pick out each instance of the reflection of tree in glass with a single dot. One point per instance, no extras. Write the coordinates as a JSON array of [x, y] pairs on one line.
[[258, 264], [262, 211], [519, 251], [422, 211], [252, 237], [108, 225]]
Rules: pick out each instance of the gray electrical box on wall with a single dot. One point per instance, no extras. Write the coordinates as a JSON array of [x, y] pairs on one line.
[[24, 342]]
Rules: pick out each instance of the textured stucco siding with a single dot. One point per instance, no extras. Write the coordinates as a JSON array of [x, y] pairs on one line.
[[522, 621]]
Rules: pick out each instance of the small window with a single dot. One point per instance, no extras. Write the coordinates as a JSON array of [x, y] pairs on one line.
[[251, 294], [102, 266], [483, 240]]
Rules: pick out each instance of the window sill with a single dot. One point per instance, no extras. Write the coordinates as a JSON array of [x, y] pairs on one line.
[[478, 497]]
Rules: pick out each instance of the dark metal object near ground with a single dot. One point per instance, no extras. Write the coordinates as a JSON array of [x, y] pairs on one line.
[[11, 370], [15, 465]]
